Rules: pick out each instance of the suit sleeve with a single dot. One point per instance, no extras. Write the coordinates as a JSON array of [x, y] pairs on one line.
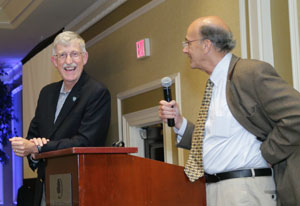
[[186, 141], [34, 132], [281, 103]]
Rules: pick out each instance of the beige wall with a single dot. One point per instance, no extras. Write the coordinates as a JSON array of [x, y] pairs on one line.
[[112, 60], [281, 39], [37, 73]]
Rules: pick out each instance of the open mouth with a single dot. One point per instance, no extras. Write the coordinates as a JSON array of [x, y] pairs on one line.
[[70, 67]]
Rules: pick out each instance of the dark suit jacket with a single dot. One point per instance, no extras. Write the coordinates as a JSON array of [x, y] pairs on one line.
[[269, 108], [82, 122]]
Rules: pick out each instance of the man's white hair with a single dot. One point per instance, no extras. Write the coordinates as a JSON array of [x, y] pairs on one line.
[[65, 39]]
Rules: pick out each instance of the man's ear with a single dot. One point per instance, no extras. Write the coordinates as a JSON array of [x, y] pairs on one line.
[[207, 45], [53, 60], [85, 58]]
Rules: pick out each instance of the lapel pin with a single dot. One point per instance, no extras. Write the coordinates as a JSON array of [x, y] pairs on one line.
[[74, 99]]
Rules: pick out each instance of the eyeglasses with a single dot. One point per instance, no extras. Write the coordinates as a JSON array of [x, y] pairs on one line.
[[63, 56], [187, 43]]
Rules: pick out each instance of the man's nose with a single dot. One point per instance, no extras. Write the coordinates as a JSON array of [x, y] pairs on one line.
[[185, 49], [69, 59]]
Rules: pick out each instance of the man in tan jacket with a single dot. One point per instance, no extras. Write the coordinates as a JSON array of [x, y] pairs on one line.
[[252, 130]]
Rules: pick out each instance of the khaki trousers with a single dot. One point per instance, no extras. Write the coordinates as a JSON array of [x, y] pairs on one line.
[[246, 191]]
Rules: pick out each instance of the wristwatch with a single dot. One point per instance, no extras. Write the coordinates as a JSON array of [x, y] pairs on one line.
[[39, 148]]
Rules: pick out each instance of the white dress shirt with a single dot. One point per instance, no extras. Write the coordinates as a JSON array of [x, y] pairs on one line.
[[227, 146], [61, 100]]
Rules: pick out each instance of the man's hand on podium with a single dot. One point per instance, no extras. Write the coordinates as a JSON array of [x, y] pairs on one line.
[[23, 147]]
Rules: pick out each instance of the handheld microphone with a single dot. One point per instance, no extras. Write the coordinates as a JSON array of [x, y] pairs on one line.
[[166, 82]]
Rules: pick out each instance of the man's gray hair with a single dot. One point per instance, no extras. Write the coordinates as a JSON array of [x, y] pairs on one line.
[[221, 38], [65, 39]]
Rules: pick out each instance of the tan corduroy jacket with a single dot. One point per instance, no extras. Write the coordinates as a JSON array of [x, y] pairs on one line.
[[269, 108]]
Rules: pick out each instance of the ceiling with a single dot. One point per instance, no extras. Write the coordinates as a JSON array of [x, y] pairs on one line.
[[24, 24]]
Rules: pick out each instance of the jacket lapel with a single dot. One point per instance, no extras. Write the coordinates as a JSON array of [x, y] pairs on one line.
[[70, 102], [53, 99], [232, 64]]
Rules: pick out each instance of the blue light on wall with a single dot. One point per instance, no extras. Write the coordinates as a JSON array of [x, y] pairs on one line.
[[11, 175], [1, 182], [17, 162]]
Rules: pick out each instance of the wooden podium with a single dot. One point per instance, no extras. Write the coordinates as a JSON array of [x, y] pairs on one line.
[[110, 176]]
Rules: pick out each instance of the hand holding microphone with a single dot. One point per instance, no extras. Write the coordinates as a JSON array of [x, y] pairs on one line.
[[166, 83]]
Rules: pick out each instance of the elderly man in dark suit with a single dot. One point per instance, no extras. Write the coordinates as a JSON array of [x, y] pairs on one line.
[[74, 112], [248, 130]]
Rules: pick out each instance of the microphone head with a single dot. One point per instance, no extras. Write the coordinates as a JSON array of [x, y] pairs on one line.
[[166, 81]]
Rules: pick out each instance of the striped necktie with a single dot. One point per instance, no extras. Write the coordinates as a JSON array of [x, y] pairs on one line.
[[194, 166]]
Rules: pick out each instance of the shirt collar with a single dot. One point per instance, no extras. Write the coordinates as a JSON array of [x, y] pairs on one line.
[[62, 89], [221, 70]]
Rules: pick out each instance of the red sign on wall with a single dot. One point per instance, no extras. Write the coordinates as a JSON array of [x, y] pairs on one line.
[[142, 48]]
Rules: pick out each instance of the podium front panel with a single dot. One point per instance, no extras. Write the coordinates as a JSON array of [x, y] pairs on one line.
[[122, 179]]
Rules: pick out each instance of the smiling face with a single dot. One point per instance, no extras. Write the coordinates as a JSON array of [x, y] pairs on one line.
[[69, 61]]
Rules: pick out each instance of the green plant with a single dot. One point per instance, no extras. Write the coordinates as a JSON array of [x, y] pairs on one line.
[[5, 115]]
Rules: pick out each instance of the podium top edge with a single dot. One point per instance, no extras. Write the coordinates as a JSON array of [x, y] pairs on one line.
[[87, 150]]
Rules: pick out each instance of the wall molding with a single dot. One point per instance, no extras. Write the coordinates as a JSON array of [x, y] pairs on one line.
[[294, 41], [243, 29], [124, 21], [14, 12], [93, 14], [142, 89], [124, 126], [133, 122], [260, 30]]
